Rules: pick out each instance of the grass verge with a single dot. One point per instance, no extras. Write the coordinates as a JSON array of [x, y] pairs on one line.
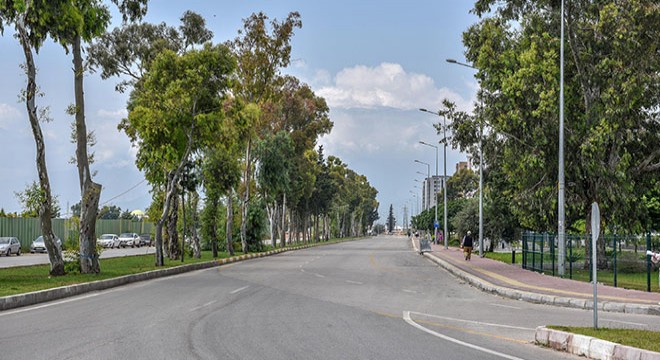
[[642, 339], [24, 279]]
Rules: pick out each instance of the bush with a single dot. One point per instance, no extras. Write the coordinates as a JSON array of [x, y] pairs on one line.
[[630, 262]]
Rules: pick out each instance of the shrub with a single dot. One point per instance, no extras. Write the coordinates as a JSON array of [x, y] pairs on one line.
[[630, 262]]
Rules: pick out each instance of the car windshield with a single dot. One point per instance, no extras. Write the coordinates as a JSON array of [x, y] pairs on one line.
[[40, 239], [125, 235], [4, 240], [106, 237]]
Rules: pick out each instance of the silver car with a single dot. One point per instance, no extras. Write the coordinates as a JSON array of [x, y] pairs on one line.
[[39, 246], [10, 245]]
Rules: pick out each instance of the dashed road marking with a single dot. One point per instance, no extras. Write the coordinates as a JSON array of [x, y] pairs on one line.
[[239, 289], [354, 282]]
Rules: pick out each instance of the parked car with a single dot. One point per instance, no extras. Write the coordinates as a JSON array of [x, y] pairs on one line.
[[145, 239], [10, 245], [39, 246], [129, 239], [108, 240]]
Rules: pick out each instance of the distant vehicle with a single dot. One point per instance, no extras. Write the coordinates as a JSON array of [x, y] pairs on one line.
[[145, 239], [38, 245], [129, 239], [108, 240], [10, 245]]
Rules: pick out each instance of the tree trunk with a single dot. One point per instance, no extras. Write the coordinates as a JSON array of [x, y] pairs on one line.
[[90, 191], [183, 235], [230, 224], [214, 229], [246, 198], [45, 206], [283, 241], [171, 228], [194, 202]]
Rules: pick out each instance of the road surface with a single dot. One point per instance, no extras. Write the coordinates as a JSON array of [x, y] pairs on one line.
[[367, 299]]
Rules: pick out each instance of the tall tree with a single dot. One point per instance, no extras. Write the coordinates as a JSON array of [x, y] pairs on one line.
[[612, 92], [391, 220], [174, 112], [260, 55], [34, 21]]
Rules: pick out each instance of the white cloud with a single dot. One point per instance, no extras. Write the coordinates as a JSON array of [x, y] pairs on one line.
[[8, 116], [386, 85]]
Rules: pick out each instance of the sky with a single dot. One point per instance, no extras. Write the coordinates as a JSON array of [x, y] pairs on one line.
[[375, 62]]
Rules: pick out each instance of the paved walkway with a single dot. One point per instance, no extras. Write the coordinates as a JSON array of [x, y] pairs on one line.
[[514, 282]]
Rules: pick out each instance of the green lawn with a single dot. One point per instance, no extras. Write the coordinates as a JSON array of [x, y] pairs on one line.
[[642, 339], [18, 280], [635, 281]]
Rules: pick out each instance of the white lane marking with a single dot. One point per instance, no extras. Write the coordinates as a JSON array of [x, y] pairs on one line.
[[202, 306], [354, 282], [239, 289], [406, 318], [410, 291], [319, 275], [626, 322], [472, 322], [302, 270], [506, 306], [31, 308]]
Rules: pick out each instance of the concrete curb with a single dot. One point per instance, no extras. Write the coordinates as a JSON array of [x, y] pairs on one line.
[[542, 298], [36, 297], [589, 347]]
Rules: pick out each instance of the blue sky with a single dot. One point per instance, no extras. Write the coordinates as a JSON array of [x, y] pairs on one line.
[[375, 62]]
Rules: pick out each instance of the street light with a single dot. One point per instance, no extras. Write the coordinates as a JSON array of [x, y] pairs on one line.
[[435, 197], [481, 170], [444, 179]]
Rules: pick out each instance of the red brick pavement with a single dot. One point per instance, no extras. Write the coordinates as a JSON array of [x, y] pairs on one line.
[[514, 277]]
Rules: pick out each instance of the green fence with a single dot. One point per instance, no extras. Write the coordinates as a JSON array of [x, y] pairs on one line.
[[28, 229], [625, 262]]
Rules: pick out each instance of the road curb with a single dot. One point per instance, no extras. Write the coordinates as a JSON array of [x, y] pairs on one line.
[[516, 294], [589, 347]]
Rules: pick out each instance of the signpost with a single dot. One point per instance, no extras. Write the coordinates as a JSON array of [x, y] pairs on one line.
[[595, 231]]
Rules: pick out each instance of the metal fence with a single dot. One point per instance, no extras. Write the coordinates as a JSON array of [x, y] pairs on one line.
[[625, 263], [28, 229]]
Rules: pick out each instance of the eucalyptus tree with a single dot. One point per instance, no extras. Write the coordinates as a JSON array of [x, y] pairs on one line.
[[33, 22], [261, 53], [175, 111], [612, 91], [275, 154]]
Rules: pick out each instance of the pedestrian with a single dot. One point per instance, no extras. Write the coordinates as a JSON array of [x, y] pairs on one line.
[[466, 244]]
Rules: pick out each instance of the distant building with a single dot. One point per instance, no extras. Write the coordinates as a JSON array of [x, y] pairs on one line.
[[432, 187]]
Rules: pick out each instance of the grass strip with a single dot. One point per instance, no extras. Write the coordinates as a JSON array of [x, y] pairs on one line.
[[642, 339]]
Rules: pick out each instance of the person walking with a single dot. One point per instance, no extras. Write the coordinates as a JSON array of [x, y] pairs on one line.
[[466, 244]]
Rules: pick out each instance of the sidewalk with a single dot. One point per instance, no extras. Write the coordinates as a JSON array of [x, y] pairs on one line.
[[514, 282]]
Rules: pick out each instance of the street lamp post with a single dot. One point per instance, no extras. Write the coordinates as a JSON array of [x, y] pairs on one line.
[[435, 197], [481, 170], [444, 179]]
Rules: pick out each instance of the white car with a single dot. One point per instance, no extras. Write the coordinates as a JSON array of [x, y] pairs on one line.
[[10, 245], [108, 240], [129, 239]]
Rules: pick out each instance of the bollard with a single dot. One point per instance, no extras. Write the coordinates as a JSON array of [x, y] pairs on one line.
[[513, 256]]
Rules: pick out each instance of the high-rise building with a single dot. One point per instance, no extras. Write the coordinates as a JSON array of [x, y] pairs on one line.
[[432, 187]]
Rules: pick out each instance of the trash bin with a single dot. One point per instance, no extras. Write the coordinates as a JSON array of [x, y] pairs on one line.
[[424, 245]]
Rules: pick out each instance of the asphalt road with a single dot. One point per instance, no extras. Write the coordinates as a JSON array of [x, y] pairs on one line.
[[26, 259], [368, 299]]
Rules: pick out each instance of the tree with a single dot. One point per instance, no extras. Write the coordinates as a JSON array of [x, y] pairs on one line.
[[34, 21], [611, 81], [111, 212], [260, 57], [391, 221], [31, 198], [175, 112]]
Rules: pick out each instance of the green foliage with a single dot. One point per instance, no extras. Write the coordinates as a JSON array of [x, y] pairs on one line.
[[391, 220], [31, 199], [257, 226]]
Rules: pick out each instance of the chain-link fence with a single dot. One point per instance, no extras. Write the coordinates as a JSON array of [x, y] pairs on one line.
[[622, 260]]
